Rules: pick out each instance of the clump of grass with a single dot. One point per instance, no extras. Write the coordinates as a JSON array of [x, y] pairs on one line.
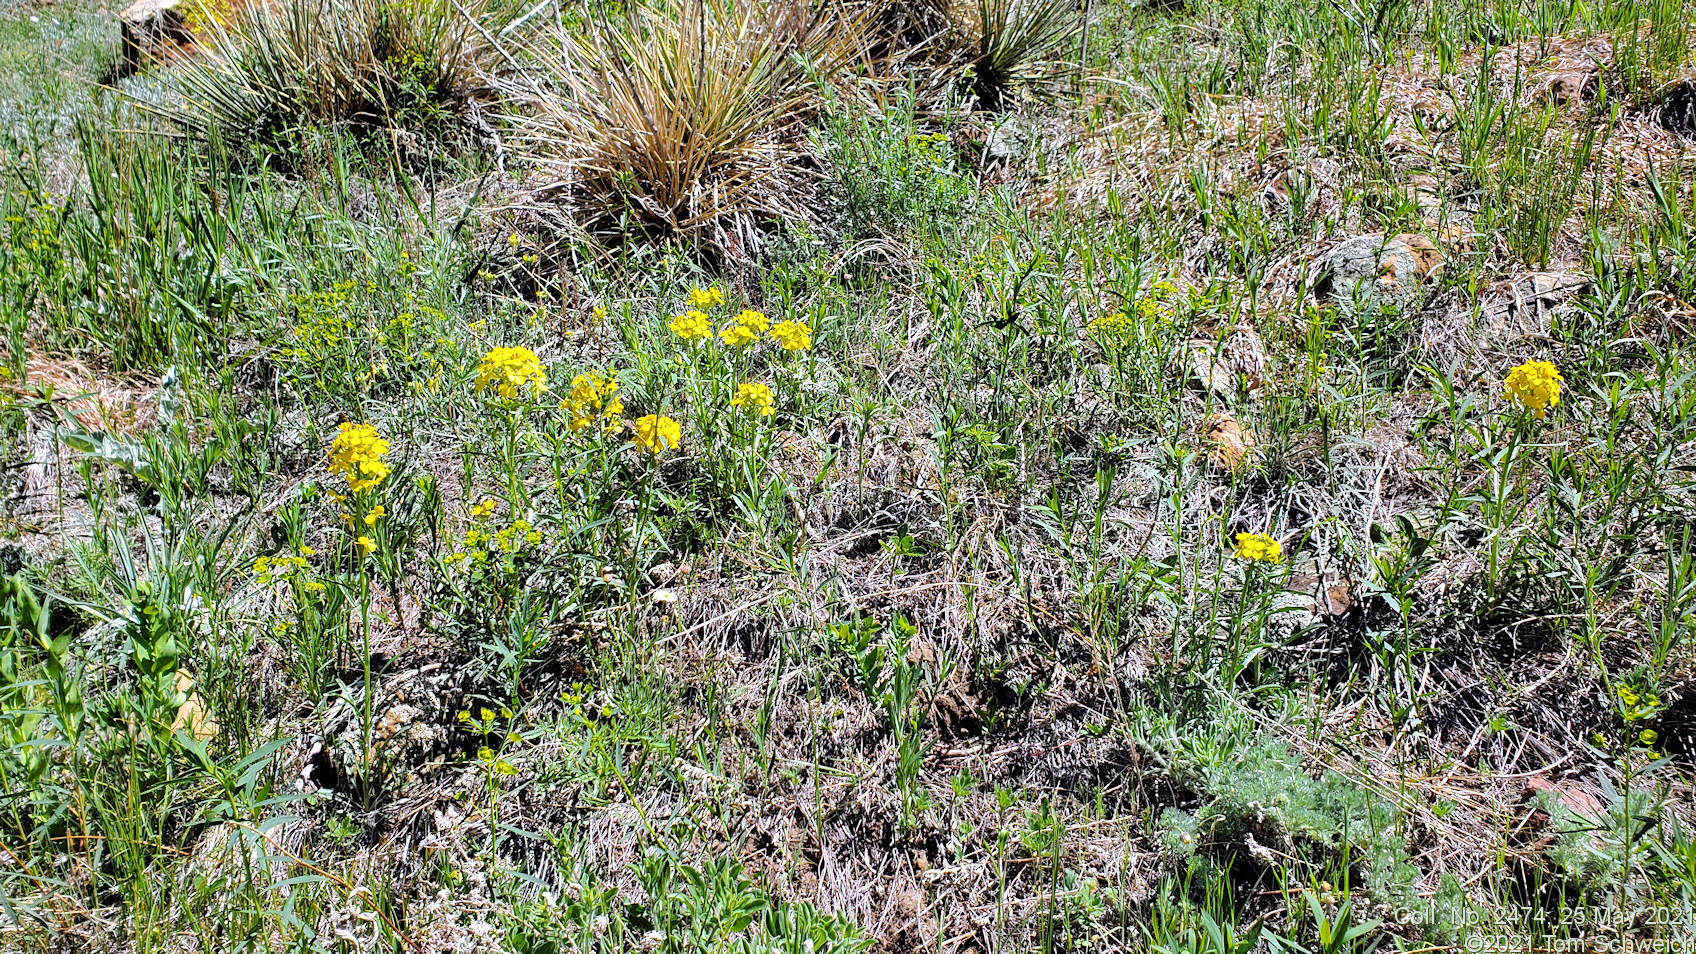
[[682, 118], [1017, 42], [411, 64]]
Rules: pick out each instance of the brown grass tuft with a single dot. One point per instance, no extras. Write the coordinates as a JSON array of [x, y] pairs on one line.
[[681, 119]]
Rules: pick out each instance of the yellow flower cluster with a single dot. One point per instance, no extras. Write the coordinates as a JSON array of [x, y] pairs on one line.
[[1535, 386], [322, 322], [1112, 326], [657, 434], [747, 328], [1635, 707], [792, 335], [479, 544], [356, 456], [1259, 548], [594, 397], [511, 373], [1153, 309], [692, 325], [755, 397], [504, 539], [268, 570]]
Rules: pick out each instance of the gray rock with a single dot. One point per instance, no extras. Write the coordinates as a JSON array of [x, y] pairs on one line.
[[1373, 271], [1525, 306], [1013, 138]]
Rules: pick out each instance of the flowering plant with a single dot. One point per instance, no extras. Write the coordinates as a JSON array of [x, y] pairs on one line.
[[792, 335], [755, 397], [1535, 386], [356, 456], [692, 325], [511, 373], [1258, 548], [657, 433], [594, 397]]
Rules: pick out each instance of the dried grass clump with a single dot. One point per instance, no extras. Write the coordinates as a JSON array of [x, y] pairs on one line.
[[681, 118], [273, 67]]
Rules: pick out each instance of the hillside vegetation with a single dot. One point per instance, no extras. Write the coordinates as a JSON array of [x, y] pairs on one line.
[[825, 476]]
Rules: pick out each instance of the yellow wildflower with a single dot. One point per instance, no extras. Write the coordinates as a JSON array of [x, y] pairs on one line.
[[1259, 548], [366, 544], [745, 329], [512, 373], [479, 511], [704, 298], [1112, 325], [755, 396], [692, 325], [753, 320], [657, 433], [793, 335], [1536, 386], [356, 456], [594, 397], [738, 335], [374, 514]]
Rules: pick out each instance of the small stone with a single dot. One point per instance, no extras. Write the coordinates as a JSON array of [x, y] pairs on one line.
[[1525, 307], [1454, 234], [1314, 183], [1232, 443], [1338, 599], [1427, 191], [191, 715], [1676, 108], [1566, 89], [1427, 259]]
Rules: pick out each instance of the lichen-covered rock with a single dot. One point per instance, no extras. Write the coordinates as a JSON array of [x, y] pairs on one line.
[[1374, 271], [1525, 306]]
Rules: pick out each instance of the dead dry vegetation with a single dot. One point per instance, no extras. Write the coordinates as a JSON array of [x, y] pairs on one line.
[[761, 475]]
